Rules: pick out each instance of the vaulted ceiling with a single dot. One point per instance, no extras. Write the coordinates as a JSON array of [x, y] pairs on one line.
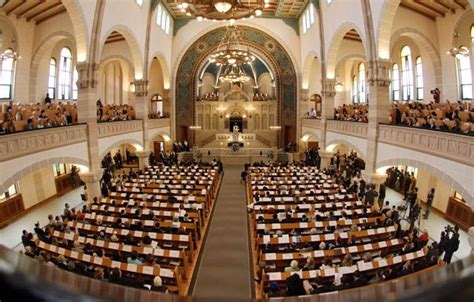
[[434, 8], [36, 11]]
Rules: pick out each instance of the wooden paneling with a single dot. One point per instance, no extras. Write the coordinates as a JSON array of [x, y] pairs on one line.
[[36, 11], [434, 8], [63, 184], [460, 213], [10, 207]]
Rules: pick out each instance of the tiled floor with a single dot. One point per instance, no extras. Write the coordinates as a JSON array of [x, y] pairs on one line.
[[435, 225], [10, 236]]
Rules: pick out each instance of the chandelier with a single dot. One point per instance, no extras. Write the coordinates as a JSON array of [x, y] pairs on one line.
[[459, 53], [230, 51], [220, 10], [234, 74]]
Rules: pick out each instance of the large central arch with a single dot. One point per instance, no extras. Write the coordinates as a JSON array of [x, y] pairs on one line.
[[274, 53]]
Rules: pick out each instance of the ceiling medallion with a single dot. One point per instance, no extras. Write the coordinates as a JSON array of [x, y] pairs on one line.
[[220, 10]]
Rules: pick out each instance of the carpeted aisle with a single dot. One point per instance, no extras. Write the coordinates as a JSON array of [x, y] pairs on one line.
[[224, 271]]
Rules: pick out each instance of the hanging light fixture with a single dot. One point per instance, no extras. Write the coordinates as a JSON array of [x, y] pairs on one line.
[[223, 6], [221, 10], [231, 51], [234, 74], [459, 52]]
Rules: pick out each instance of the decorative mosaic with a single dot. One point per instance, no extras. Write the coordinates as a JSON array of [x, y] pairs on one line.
[[274, 53]]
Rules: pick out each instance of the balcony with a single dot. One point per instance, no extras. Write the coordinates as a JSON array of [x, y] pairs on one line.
[[451, 146], [311, 123], [29, 142], [158, 123], [348, 128], [120, 127]]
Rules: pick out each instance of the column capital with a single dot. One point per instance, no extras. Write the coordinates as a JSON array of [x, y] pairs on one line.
[[91, 176], [142, 154], [326, 154], [374, 178], [141, 87], [378, 72], [328, 87], [87, 75]]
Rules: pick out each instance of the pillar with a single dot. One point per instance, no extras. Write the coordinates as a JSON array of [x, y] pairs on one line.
[[91, 179], [325, 159], [142, 159], [142, 106], [327, 107], [379, 102], [87, 110], [470, 232]]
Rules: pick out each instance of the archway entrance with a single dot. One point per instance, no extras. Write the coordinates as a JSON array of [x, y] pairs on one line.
[[236, 123], [266, 100]]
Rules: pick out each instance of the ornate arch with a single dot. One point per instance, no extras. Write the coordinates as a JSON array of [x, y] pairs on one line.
[[384, 28], [133, 46], [433, 170], [335, 45], [41, 164], [272, 51], [129, 141], [424, 44], [349, 144]]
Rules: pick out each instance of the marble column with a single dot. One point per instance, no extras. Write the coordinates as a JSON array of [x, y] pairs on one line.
[[142, 105], [379, 102], [325, 159], [142, 159], [327, 107], [91, 179]]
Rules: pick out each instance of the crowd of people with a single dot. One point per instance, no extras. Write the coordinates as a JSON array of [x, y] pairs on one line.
[[112, 113], [158, 115], [260, 97], [25, 117], [352, 113], [457, 117], [181, 146], [209, 97], [346, 171]]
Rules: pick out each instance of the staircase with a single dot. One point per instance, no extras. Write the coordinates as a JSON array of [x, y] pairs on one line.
[[284, 157], [185, 156]]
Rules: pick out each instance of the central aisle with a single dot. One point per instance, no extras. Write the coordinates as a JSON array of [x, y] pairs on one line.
[[225, 266]]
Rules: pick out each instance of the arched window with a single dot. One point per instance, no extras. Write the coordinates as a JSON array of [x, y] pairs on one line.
[[157, 105], [65, 74], [6, 76], [395, 83], [361, 83], [354, 89], [465, 77], [407, 73], [419, 79], [52, 78], [75, 78]]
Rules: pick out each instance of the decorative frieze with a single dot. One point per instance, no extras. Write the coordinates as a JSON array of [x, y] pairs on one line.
[[29, 142], [116, 128], [454, 147], [348, 128]]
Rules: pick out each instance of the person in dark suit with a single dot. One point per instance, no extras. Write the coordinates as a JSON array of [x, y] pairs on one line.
[[294, 286], [382, 192]]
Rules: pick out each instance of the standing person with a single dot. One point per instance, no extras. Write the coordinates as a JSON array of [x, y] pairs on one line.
[[47, 99], [452, 245], [429, 202], [382, 192]]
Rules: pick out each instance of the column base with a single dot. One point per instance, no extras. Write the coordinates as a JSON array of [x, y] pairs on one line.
[[325, 159], [142, 159], [92, 178]]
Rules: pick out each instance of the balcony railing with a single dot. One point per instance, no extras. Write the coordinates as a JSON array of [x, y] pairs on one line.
[[29, 142], [348, 128], [455, 147], [120, 127], [311, 123], [158, 123]]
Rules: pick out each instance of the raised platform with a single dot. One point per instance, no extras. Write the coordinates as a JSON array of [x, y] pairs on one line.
[[241, 156]]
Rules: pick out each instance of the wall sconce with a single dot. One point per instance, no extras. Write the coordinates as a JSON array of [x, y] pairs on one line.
[[227, 115], [131, 87]]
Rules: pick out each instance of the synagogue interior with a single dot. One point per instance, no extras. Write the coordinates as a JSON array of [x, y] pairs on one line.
[[236, 150]]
